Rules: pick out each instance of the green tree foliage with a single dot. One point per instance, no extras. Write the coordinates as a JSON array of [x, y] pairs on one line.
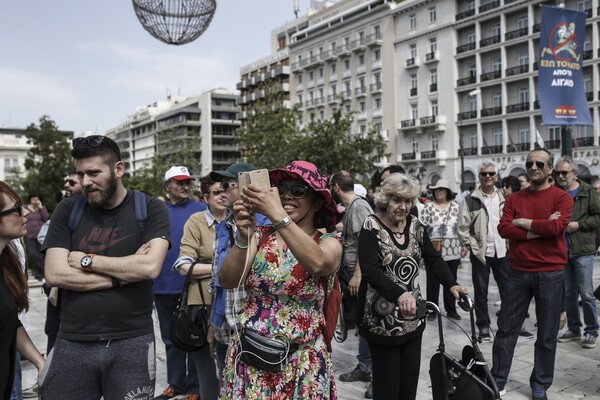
[[270, 139], [274, 137], [173, 148], [331, 146], [47, 162]]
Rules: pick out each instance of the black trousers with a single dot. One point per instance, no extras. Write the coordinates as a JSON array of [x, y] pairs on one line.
[[433, 287], [481, 281], [396, 370]]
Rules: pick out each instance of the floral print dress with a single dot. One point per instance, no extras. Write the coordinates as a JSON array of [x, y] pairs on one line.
[[282, 299]]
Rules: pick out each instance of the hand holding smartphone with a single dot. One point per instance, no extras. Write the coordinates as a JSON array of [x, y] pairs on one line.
[[259, 177]]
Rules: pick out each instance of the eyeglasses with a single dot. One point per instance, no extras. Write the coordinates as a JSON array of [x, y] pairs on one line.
[[539, 164], [228, 184], [563, 173], [487, 174], [296, 190], [506, 186], [95, 141], [16, 209], [71, 182], [217, 193]]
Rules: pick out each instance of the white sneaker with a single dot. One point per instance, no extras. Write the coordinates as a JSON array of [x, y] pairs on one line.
[[502, 392], [497, 303]]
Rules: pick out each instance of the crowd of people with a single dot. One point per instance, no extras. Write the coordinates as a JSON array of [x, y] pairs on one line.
[[262, 259]]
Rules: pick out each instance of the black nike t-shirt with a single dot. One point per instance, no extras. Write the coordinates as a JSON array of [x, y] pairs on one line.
[[115, 313]]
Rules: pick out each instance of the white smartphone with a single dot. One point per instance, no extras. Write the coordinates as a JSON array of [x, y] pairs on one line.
[[259, 177]]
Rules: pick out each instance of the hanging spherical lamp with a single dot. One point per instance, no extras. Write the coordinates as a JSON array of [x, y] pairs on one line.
[[175, 21]]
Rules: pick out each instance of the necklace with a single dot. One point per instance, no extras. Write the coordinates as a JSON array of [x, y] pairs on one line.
[[398, 235]]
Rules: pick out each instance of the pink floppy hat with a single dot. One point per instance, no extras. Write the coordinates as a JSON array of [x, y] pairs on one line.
[[307, 172]]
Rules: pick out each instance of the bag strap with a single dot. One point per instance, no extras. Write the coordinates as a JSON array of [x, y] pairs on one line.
[[186, 284]]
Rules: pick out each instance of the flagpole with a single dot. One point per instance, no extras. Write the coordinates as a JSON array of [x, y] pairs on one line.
[[565, 130]]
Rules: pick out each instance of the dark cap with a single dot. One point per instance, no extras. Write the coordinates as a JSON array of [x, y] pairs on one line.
[[232, 171]]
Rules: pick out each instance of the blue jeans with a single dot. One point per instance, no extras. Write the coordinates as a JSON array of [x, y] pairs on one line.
[[181, 371], [521, 287], [17, 392], [481, 282], [364, 355], [579, 282]]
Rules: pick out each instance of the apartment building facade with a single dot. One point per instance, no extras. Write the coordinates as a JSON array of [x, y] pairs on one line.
[[450, 83], [207, 122], [14, 148]]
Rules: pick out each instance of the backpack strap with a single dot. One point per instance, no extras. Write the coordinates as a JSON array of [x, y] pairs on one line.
[[77, 212], [141, 209]]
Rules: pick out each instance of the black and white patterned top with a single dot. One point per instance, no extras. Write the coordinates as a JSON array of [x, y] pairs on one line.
[[443, 223]]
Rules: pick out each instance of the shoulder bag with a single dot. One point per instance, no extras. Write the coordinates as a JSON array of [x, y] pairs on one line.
[[189, 325]]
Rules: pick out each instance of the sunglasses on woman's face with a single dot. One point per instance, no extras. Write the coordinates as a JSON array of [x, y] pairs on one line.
[[16, 209], [296, 190]]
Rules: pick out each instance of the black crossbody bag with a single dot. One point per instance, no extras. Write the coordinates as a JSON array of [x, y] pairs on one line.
[[265, 353]]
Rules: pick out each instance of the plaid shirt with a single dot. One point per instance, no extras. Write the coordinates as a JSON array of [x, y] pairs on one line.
[[234, 298]]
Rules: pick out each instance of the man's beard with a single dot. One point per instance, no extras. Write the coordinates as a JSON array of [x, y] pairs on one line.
[[103, 197]]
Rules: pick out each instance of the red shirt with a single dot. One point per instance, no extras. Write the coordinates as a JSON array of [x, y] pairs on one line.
[[549, 251]]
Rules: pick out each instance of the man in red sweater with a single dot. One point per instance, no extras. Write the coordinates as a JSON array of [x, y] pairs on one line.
[[534, 221]]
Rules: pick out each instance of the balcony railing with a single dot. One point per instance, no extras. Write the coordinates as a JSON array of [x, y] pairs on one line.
[[517, 33], [430, 56], [513, 108], [428, 155], [466, 47], [409, 156], [589, 96], [359, 91], [587, 54], [468, 151], [433, 87], [589, 13], [487, 112], [584, 141], [407, 123], [490, 75], [333, 98], [430, 119], [375, 87], [552, 144], [536, 105], [413, 91], [537, 27], [519, 69], [466, 115], [489, 6], [509, 1], [535, 66], [466, 81], [491, 149], [465, 14], [489, 40], [513, 148]]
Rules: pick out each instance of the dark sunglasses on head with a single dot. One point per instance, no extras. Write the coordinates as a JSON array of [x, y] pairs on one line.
[[487, 174], [228, 184], [71, 182], [95, 141], [16, 209], [539, 164], [296, 190]]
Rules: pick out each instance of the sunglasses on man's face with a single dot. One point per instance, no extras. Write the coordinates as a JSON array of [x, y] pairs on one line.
[[563, 173], [487, 174], [71, 182], [296, 190], [16, 209], [538, 164], [228, 184]]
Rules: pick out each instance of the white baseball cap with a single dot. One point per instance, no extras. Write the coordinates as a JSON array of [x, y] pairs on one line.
[[178, 173]]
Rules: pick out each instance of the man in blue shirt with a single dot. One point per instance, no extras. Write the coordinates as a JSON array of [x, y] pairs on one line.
[[181, 372]]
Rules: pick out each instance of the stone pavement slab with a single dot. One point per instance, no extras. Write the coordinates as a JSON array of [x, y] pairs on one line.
[[577, 372]]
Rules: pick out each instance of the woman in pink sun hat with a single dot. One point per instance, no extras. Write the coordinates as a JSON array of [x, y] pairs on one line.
[[281, 266]]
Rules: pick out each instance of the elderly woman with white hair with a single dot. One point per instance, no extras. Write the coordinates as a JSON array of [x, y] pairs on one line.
[[391, 245]]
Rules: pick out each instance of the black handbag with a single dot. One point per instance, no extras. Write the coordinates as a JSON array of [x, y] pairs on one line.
[[189, 325]]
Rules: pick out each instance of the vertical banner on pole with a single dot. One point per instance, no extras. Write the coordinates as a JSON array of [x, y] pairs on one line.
[[560, 80]]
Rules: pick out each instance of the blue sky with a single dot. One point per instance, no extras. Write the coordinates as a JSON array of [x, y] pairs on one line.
[[89, 64]]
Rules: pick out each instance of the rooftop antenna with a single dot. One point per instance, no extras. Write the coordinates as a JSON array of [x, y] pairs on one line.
[[296, 4]]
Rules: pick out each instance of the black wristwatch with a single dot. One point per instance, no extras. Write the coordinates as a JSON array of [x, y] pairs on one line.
[[86, 261]]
